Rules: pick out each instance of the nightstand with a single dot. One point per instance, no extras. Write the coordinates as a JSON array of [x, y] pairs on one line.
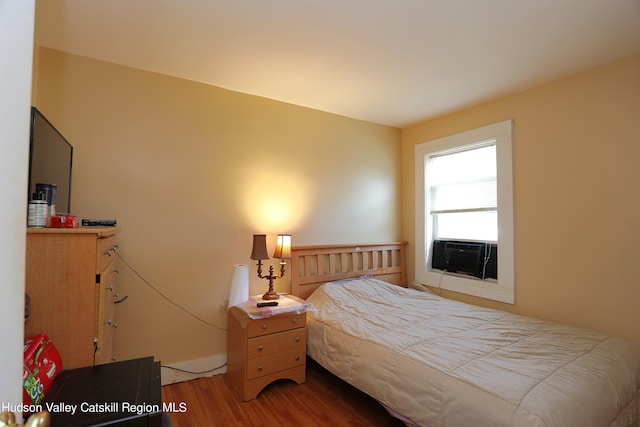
[[262, 348]]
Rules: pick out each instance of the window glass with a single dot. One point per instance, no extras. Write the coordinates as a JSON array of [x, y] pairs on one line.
[[462, 193], [480, 226]]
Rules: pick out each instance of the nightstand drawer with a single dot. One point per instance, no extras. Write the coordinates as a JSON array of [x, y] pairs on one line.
[[275, 363], [274, 343], [274, 324]]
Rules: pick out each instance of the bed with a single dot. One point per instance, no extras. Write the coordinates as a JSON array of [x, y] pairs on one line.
[[433, 361]]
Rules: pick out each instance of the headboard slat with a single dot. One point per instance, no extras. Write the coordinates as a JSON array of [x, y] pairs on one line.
[[311, 266]]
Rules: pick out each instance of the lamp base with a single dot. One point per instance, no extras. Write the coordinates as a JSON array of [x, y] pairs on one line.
[[270, 295]]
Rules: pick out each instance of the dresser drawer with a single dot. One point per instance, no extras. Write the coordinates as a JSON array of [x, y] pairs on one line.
[[269, 344], [109, 278], [105, 352], [105, 253], [270, 325], [106, 309], [275, 363]]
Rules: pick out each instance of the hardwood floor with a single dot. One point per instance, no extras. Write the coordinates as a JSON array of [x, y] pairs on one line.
[[324, 400]]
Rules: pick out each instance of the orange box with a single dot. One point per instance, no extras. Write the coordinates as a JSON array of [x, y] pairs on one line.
[[41, 365]]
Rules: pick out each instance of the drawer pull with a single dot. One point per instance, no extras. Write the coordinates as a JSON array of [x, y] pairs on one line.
[[260, 348], [297, 339], [115, 325], [264, 326], [109, 288], [123, 299], [107, 322], [112, 250], [297, 358], [259, 368], [294, 320]]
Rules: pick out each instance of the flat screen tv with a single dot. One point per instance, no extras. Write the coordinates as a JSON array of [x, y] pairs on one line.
[[50, 160]]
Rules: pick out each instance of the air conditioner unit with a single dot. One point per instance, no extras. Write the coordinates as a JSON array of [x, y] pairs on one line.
[[466, 258]]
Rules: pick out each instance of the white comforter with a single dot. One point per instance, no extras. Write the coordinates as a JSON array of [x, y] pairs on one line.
[[440, 362]]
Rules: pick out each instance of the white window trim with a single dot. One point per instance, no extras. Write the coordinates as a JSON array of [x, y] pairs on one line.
[[504, 288]]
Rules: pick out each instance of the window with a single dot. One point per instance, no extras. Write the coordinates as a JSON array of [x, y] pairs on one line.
[[464, 191]]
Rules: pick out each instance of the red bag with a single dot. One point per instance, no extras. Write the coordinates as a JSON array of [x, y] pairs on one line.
[[41, 365]]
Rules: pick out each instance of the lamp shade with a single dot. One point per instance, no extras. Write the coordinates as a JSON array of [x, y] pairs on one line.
[[239, 291], [259, 250], [283, 247]]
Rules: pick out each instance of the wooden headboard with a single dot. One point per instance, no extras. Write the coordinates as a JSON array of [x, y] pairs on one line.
[[311, 266]]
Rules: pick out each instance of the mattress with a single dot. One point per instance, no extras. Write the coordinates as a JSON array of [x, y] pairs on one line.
[[440, 362]]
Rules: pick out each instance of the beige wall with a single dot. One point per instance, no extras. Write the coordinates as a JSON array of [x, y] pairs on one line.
[[191, 171], [577, 195]]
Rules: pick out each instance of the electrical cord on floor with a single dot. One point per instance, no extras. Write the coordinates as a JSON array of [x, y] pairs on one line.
[[167, 298], [192, 372]]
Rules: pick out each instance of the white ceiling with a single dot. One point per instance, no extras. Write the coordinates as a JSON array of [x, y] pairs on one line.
[[394, 62]]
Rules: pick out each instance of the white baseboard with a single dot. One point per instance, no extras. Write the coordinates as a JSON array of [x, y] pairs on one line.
[[197, 368]]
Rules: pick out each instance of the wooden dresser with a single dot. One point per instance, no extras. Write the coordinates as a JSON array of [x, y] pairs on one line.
[[71, 278], [260, 351]]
